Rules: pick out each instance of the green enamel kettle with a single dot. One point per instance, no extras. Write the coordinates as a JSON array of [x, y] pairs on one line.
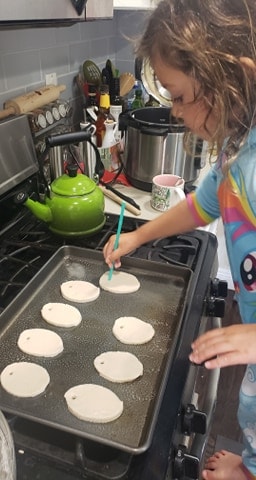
[[74, 203]]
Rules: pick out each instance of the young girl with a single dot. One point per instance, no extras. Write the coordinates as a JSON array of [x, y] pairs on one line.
[[204, 54]]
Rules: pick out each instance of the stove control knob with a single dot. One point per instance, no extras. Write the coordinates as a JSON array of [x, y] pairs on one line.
[[193, 421], [219, 288], [185, 465], [20, 197], [215, 307]]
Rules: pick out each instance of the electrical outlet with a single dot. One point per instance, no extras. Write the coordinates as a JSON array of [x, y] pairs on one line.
[[51, 79]]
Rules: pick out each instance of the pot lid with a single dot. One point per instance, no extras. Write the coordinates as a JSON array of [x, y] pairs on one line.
[[153, 86], [72, 184]]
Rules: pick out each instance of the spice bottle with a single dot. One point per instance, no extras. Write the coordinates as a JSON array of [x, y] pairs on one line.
[[116, 103], [104, 115], [138, 101]]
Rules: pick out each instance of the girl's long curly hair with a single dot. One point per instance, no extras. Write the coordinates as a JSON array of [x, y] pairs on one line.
[[206, 39]]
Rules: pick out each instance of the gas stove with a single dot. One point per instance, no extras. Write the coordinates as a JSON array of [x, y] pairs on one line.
[[183, 415], [26, 244]]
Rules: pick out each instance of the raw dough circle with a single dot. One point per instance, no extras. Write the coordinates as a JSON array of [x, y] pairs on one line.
[[79, 291], [40, 342], [61, 315], [24, 379], [93, 403], [121, 282], [132, 330], [119, 367]]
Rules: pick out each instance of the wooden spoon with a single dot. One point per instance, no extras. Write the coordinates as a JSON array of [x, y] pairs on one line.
[[127, 81]]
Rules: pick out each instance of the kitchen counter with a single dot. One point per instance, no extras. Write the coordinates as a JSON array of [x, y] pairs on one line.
[[142, 198]]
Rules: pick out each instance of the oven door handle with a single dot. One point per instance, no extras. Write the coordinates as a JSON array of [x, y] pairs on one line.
[[188, 463], [200, 441], [188, 460]]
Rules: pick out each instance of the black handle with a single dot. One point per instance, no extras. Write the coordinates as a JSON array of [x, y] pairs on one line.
[[121, 195], [79, 5], [68, 138], [76, 137]]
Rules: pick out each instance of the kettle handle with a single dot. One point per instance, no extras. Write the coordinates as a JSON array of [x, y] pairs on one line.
[[76, 137], [67, 138], [99, 167]]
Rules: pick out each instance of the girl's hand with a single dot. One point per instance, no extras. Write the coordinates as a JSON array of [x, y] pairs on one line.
[[222, 347], [127, 243]]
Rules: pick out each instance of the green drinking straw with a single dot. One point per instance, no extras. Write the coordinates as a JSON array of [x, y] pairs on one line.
[[119, 228]]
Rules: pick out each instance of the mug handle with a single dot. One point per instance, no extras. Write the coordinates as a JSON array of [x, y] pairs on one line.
[[180, 193]]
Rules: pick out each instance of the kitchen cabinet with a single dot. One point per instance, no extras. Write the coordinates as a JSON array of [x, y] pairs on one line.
[[99, 9], [57, 12], [41, 12], [135, 4]]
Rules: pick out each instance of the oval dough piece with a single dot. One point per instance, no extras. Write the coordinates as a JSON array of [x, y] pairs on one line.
[[93, 403], [121, 282], [119, 367], [40, 342], [132, 330], [79, 291], [24, 379], [61, 315]]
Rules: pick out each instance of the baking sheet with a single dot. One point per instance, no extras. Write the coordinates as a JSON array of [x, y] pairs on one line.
[[161, 301]]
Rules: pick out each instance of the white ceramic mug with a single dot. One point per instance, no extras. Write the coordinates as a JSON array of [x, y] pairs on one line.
[[167, 191]]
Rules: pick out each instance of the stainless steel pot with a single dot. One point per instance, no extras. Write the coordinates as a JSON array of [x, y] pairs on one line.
[[154, 145]]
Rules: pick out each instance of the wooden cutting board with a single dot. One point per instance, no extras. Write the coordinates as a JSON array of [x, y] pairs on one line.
[[31, 100]]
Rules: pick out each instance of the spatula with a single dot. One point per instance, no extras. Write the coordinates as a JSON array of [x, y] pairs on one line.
[[92, 73]]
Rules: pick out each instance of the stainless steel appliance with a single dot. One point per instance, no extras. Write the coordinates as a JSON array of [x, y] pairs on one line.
[[48, 12], [179, 404], [154, 145]]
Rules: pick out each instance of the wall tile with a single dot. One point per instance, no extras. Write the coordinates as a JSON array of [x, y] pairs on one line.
[[21, 69], [27, 54], [20, 39], [79, 52], [55, 59]]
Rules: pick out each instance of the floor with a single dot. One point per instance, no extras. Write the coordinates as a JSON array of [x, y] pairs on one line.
[[225, 432]]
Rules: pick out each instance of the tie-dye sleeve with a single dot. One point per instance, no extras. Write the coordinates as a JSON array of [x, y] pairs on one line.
[[203, 202]]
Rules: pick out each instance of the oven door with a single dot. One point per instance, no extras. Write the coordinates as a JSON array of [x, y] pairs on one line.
[[195, 417]]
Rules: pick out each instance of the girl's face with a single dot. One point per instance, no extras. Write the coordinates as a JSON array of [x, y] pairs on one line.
[[183, 90]]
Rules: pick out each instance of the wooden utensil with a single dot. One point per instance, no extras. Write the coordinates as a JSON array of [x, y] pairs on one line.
[[127, 81], [119, 200], [31, 100]]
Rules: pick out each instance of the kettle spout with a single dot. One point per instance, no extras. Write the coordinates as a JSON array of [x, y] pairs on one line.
[[40, 210]]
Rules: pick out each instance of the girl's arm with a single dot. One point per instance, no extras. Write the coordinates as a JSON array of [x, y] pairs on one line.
[[176, 220]]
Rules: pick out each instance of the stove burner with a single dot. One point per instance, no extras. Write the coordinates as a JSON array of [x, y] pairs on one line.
[[180, 250]]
